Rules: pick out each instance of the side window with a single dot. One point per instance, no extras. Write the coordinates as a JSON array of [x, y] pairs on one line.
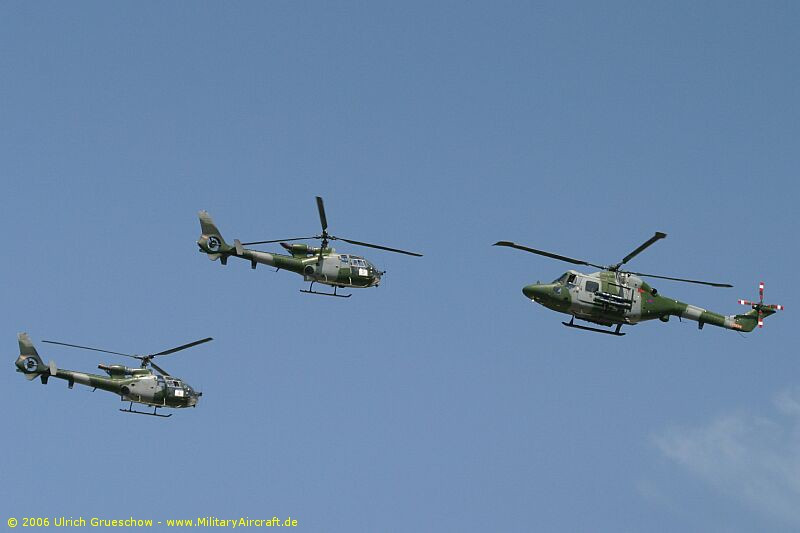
[[571, 279], [592, 286]]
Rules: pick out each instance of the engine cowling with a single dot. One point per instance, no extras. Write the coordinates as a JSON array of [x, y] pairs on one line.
[[115, 370], [300, 249]]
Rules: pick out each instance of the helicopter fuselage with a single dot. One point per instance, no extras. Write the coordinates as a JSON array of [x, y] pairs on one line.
[[324, 266], [611, 298], [136, 385]]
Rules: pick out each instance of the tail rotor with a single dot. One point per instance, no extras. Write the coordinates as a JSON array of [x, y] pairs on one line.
[[760, 307]]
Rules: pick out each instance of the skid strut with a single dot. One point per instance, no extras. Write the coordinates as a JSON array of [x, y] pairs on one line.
[[154, 413], [311, 291], [571, 324]]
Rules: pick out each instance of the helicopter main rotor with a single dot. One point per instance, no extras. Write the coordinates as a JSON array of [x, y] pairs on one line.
[[325, 237], [615, 267], [145, 359]]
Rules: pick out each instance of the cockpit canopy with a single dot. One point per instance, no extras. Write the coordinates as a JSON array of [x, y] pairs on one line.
[[567, 278], [175, 384], [355, 261]]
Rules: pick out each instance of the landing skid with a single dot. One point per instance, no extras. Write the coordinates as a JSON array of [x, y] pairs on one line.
[[616, 332], [130, 410], [310, 291]]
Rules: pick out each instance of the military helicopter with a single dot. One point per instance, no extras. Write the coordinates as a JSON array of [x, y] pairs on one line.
[[316, 264], [618, 297], [135, 385]]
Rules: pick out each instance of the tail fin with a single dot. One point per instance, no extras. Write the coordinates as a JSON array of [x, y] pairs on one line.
[[211, 241], [29, 362], [751, 319]]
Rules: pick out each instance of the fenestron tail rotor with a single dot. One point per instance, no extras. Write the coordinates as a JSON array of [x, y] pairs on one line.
[[145, 359], [760, 306]]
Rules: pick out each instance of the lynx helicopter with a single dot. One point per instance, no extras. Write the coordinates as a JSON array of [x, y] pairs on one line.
[[615, 297], [316, 264], [134, 385]]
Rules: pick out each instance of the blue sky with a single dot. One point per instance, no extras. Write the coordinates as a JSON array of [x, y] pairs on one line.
[[443, 400]]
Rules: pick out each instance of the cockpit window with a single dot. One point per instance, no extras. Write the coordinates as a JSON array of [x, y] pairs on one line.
[[343, 258], [568, 278]]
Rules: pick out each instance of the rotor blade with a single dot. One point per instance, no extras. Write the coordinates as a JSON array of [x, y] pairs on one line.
[[322, 218], [681, 279], [379, 247], [179, 348], [546, 254], [279, 240], [93, 349], [159, 369], [641, 248]]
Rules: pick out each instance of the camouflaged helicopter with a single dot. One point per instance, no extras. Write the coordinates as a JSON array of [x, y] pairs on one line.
[[316, 264], [134, 385], [614, 297]]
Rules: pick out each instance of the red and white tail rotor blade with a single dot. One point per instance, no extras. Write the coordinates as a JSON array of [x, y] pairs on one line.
[[760, 305]]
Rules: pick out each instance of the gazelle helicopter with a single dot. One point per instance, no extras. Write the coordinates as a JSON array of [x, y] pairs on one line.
[[615, 297], [134, 385], [316, 264]]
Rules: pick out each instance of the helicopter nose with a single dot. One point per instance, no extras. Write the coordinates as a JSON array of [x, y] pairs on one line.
[[534, 292]]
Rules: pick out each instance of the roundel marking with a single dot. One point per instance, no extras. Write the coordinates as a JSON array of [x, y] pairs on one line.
[[213, 243], [31, 365]]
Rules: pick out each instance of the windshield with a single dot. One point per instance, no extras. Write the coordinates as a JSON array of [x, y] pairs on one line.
[[567, 278], [562, 279]]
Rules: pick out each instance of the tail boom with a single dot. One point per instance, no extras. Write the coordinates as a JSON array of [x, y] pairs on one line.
[[744, 323]]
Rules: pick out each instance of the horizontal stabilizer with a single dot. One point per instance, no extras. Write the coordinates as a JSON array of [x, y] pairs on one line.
[[239, 248], [53, 368]]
